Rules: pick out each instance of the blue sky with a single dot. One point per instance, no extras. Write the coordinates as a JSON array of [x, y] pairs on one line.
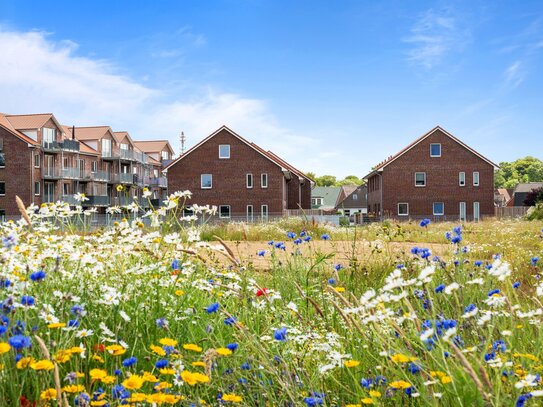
[[333, 87]]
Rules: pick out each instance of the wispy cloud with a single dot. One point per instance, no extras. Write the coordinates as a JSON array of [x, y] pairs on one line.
[[433, 37], [41, 75], [514, 74]]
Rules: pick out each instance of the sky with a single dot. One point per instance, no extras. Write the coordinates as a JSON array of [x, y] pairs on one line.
[[334, 87]]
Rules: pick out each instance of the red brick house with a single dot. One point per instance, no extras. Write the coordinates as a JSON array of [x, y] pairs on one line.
[[243, 180], [437, 177]]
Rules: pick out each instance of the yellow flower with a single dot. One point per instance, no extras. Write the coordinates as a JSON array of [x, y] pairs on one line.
[[76, 349], [166, 371], [137, 398], [526, 355], [446, 379], [133, 382], [400, 384], [223, 351], [49, 394], [73, 388], [25, 362], [179, 292], [367, 400], [57, 325], [158, 350], [98, 403], [4, 347], [339, 289], [98, 358], [193, 378], [375, 393], [115, 350], [42, 365], [109, 379], [149, 377], [62, 356], [193, 347], [162, 386], [232, 398], [119, 188], [351, 363], [168, 342], [200, 364], [97, 374], [353, 405], [401, 358]]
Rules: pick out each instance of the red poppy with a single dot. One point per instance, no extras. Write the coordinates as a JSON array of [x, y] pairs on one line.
[[261, 292], [26, 402], [99, 347]]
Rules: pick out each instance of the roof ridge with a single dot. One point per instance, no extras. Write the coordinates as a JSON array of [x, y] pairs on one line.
[[28, 114]]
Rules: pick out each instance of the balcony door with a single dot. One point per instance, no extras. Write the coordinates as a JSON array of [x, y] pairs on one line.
[[49, 165], [49, 192]]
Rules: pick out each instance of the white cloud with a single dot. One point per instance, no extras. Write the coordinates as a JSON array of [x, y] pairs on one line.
[[514, 74], [38, 74]]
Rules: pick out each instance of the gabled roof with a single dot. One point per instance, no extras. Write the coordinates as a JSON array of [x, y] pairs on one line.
[[5, 123], [120, 135], [329, 196], [286, 165], [391, 159], [280, 163], [92, 133], [527, 187], [153, 146], [31, 121], [354, 189]]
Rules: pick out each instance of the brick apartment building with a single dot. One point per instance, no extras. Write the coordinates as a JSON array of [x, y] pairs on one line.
[[437, 177], [243, 180], [44, 161]]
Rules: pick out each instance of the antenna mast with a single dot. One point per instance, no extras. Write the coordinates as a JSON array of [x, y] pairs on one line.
[[182, 139]]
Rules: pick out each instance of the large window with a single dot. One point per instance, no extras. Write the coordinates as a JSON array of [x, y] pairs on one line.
[[224, 151], [264, 180], [403, 209], [476, 211], [48, 135], [224, 211], [165, 155], [420, 179], [206, 181], [476, 179], [106, 147], [462, 179], [435, 150], [439, 208], [94, 166], [2, 160], [249, 180]]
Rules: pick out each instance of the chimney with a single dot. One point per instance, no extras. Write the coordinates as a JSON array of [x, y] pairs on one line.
[[73, 132]]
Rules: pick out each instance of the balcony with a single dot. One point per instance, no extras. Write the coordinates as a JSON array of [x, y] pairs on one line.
[[156, 182], [99, 176], [125, 155], [97, 200], [64, 173], [123, 178], [58, 146]]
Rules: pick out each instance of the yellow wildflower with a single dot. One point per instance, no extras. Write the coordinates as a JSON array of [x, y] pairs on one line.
[[193, 347], [57, 325], [134, 382], [24, 362], [115, 350], [73, 388], [223, 351], [339, 289], [49, 394], [198, 364], [351, 363], [367, 400], [168, 342], [232, 398], [4, 347], [193, 378], [375, 393], [43, 364], [97, 374], [158, 350], [400, 384], [401, 358], [179, 292], [167, 371], [149, 377]]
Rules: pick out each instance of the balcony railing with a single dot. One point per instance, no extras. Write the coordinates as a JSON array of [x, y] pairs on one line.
[[64, 145], [99, 176], [97, 200], [127, 155], [156, 181], [64, 173], [123, 178]]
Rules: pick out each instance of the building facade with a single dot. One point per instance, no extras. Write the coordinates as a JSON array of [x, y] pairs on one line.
[[437, 177], [241, 179]]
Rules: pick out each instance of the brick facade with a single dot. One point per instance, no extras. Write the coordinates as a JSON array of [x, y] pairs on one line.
[[393, 182]]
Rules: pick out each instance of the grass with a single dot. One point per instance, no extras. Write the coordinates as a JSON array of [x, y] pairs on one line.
[[133, 315]]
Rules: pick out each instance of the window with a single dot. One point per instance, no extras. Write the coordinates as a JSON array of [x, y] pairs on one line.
[[249, 180], [48, 135], [476, 211], [249, 213], [264, 211], [435, 150], [66, 162], [206, 181], [224, 211], [37, 188], [66, 189], [2, 215], [94, 166], [462, 210], [165, 155], [355, 197], [462, 179], [439, 208], [2, 188], [2, 160], [264, 180], [224, 151], [106, 147], [317, 201], [403, 209], [420, 179], [124, 146], [476, 179]]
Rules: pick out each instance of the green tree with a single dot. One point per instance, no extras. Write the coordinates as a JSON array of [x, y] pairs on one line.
[[350, 180], [527, 169], [326, 181]]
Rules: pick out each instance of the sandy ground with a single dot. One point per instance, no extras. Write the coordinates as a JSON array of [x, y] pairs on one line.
[[343, 250]]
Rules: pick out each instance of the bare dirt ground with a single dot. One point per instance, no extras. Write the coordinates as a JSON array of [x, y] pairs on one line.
[[343, 251]]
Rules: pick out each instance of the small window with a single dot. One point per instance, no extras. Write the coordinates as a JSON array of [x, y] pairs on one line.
[[476, 179], [435, 150], [317, 201], [439, 208], [355, 197], [2, 215], [66, 189], [37, 187], [2, 188], [264, 211], [94, 166], [249, 213], [249, 180], [224, 211], [224, 151], [462, 179], [206, 181], [37, 160], [2, 160], [264, 180], [403, 209], [420, 179]]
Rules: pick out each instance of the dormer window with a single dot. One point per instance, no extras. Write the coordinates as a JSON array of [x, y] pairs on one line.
[[224, 151], [124, 146], [435, 150], [48, 135], [165, 155]]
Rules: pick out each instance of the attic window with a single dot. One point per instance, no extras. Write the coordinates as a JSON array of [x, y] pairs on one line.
[[355, 197], [435, 150], [224, 151]]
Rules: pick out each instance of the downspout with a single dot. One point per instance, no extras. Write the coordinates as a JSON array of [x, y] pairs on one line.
[[381, 194]]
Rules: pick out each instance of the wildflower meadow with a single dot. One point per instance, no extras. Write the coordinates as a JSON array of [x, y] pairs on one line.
[[169, 313]]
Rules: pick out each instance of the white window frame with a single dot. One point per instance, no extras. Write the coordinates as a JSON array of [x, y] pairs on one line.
[[476, 211], [407, 205], [264, 213], [462, 216], [106, 147], [263, 177], [247, 178], [250, 216], [165, 155], [423, 173], [229, 212], [435, 144], [355, 197], [49, 133], [462, 178], [38, 183], [434, 208], [476, 175], [202, 181], [94, 166], [224, 157]]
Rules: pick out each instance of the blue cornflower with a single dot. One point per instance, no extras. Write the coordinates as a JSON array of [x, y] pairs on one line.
[[490, 356], [271, 243], [27, 300], [499, 345], [161, 363], [307, 238], [478, 263], [162, 323], [278, 245], [232, 346], [400, 266], [366, 383], [331, 281], [73, 323], [456, 239], [246, 366], [439, 288], [37, 275], [516, 284], [522, 399], [230, 321], [117, 372], [297, 241], [415, 250], [78, 311], [380, 380], [303, 233], [494, 291], [280, 334], [213, 308], [313, 401], [425, 253], [168, 349], [534, 261], [424, 223], [3, 329], [410, 390], [413, 368], [19, 342], [119, 392], [261, 253], [448, 235], [338, 267], [176, 264], [5, 283], [291, 235], [82, 399], [469, 308], [130, 361], [325, 236]]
